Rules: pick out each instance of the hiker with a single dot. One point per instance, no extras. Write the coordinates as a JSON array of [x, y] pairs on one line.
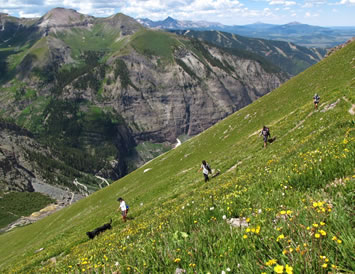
[[265, 132], [205, 170], [124, 209], [316, 99]]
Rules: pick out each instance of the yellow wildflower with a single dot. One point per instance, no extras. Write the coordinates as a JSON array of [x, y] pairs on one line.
[[282, 212], [289, 212], [339, 241], [317, 235], [289, 269], [279, 268], [280, 237], [322, 232], [271, 262], [177, 260], [334, 238], [245, 236], [322, 223], [324, 265]]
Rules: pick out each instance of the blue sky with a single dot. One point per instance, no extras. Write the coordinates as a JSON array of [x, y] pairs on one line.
[[229, 12]]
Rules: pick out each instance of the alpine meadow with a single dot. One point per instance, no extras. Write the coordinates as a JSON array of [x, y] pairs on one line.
[[293, 200]]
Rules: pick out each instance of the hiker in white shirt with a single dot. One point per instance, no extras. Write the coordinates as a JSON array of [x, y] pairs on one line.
[[124, 209], [205, 170]]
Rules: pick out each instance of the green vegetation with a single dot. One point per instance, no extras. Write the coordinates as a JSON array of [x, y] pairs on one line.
[[156, 43], [296, 195], [148, 151], [13, 205], [121, 70]]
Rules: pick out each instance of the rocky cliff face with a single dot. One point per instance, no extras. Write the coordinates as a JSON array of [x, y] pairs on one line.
[[163, 103], [13, 170]]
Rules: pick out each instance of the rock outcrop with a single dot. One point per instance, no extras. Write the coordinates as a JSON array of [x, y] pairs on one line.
[[335, 49]]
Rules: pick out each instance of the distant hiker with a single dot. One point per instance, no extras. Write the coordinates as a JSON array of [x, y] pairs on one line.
[[124, 208], [205, 170], [265, 132], [316, 100]]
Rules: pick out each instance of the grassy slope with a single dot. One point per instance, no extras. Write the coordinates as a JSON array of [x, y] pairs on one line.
[[259, 181]]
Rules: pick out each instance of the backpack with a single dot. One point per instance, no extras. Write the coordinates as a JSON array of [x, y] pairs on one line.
[[208, 168], [265, 131]]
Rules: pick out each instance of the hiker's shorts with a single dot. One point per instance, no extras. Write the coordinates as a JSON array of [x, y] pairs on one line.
[[265, 138], [206, 177]]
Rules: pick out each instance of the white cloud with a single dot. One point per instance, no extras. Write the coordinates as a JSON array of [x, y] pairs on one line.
[[308, 14], [343, 2], [223, 11], [28, 15], [282, 2]]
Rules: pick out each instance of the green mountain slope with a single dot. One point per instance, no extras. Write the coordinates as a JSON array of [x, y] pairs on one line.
[[296, 195], [291, 58]]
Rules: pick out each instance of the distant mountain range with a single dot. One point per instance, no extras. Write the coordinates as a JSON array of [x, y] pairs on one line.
[[301, 34]]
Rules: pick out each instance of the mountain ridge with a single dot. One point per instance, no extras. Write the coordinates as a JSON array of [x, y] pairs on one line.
[[288, 56], [300, 34]]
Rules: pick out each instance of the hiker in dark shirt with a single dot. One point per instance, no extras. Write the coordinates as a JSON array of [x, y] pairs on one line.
[[205, 170], [316, 100], [265, 132]]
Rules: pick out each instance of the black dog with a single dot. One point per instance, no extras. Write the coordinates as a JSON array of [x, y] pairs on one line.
[[97, 231]]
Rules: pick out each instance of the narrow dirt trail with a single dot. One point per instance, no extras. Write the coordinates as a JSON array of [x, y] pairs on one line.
[[300, 123]]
